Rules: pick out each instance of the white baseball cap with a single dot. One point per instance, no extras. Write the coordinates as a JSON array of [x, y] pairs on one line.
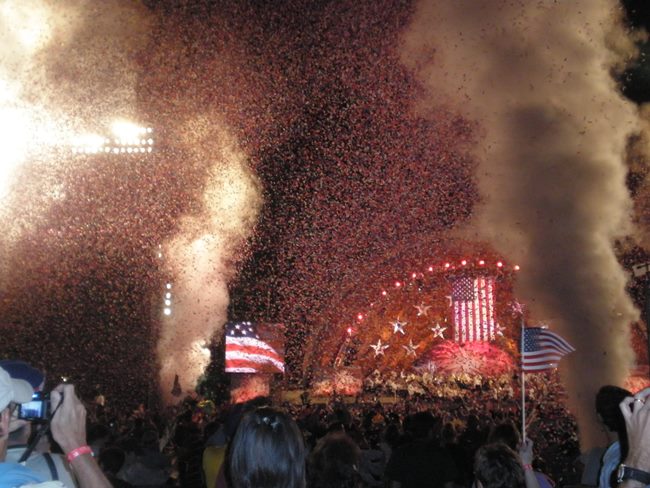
[[13, 390]]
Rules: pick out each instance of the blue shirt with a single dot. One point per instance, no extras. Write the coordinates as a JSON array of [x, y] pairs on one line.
[[14, 474]]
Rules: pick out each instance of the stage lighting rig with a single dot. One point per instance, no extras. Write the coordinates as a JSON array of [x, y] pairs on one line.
[[124, 138]]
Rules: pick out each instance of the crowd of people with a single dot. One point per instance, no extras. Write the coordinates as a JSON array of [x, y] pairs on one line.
[[465, 440]]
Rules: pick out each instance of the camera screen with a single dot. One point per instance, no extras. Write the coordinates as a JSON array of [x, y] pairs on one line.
[[36, 409]]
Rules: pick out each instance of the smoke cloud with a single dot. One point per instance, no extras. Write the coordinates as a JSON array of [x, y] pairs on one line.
[[66, 68], [203, 255], [73, 68], [536, 77]]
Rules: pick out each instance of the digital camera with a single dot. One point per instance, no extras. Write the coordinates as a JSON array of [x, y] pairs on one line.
[[36, 410]]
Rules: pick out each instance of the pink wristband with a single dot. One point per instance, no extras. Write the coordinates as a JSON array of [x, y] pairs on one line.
[[528, 467], [79, 451]]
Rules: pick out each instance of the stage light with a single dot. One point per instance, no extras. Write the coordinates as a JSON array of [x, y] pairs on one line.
[[168, 295], [464, 262], [384, 293], [516, 267], [167, 311], [360, 316], [349, 330], [127, 139], [481, 262], [430, 268], [447, 265], [168, 286], [397, 284], [125, 130], [168, 303], [499, 264], [414, 275]]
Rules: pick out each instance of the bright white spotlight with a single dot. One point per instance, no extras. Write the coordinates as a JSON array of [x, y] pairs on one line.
[[125, 130]]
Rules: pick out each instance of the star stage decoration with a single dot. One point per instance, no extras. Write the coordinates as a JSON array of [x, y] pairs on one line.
[[398, 327], [379, 348], [438, 331], [422, 309], [410, 349], [499, 329], [517, 307]]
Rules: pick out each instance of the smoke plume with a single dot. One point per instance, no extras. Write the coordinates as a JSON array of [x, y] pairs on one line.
[[536, 77], [202, 256]]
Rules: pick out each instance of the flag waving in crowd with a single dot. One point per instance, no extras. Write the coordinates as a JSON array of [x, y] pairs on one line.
[[542, 349]]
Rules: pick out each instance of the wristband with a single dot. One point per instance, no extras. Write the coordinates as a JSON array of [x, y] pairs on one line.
[[79, 451], [527, 467]]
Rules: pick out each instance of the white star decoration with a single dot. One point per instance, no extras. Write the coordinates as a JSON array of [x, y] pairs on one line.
[[379, 347], [422, 309], [398, 327], [438, 331], [410, 349], [499, 329]]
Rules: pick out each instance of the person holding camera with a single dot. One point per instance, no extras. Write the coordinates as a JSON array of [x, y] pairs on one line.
[[12, 393], [68, 427], [31, 421]]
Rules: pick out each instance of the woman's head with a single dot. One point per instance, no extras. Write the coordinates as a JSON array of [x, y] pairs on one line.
[[267, 451], [498, 466], [334, 462]]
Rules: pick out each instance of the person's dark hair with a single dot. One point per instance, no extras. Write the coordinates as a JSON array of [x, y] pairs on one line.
[[334, 462], [505, 433], [391, 435], [420, 425], [498, 466], [267, 451], [607, 401]]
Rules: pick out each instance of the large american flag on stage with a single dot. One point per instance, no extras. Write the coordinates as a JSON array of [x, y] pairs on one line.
[[542, 349], [473, 303], [246, 352]]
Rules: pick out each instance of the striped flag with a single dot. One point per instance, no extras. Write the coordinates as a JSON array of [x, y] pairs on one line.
[[542, 349], [473, 303], [246, 352]]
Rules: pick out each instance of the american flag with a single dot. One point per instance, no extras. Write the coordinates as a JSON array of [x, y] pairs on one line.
[[543, 349], [473, 303], [246, 352]]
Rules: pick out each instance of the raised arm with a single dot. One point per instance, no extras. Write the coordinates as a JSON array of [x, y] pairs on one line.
[[68, 426]]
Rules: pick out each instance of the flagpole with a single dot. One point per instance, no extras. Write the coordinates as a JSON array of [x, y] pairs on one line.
[[523, 383]]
